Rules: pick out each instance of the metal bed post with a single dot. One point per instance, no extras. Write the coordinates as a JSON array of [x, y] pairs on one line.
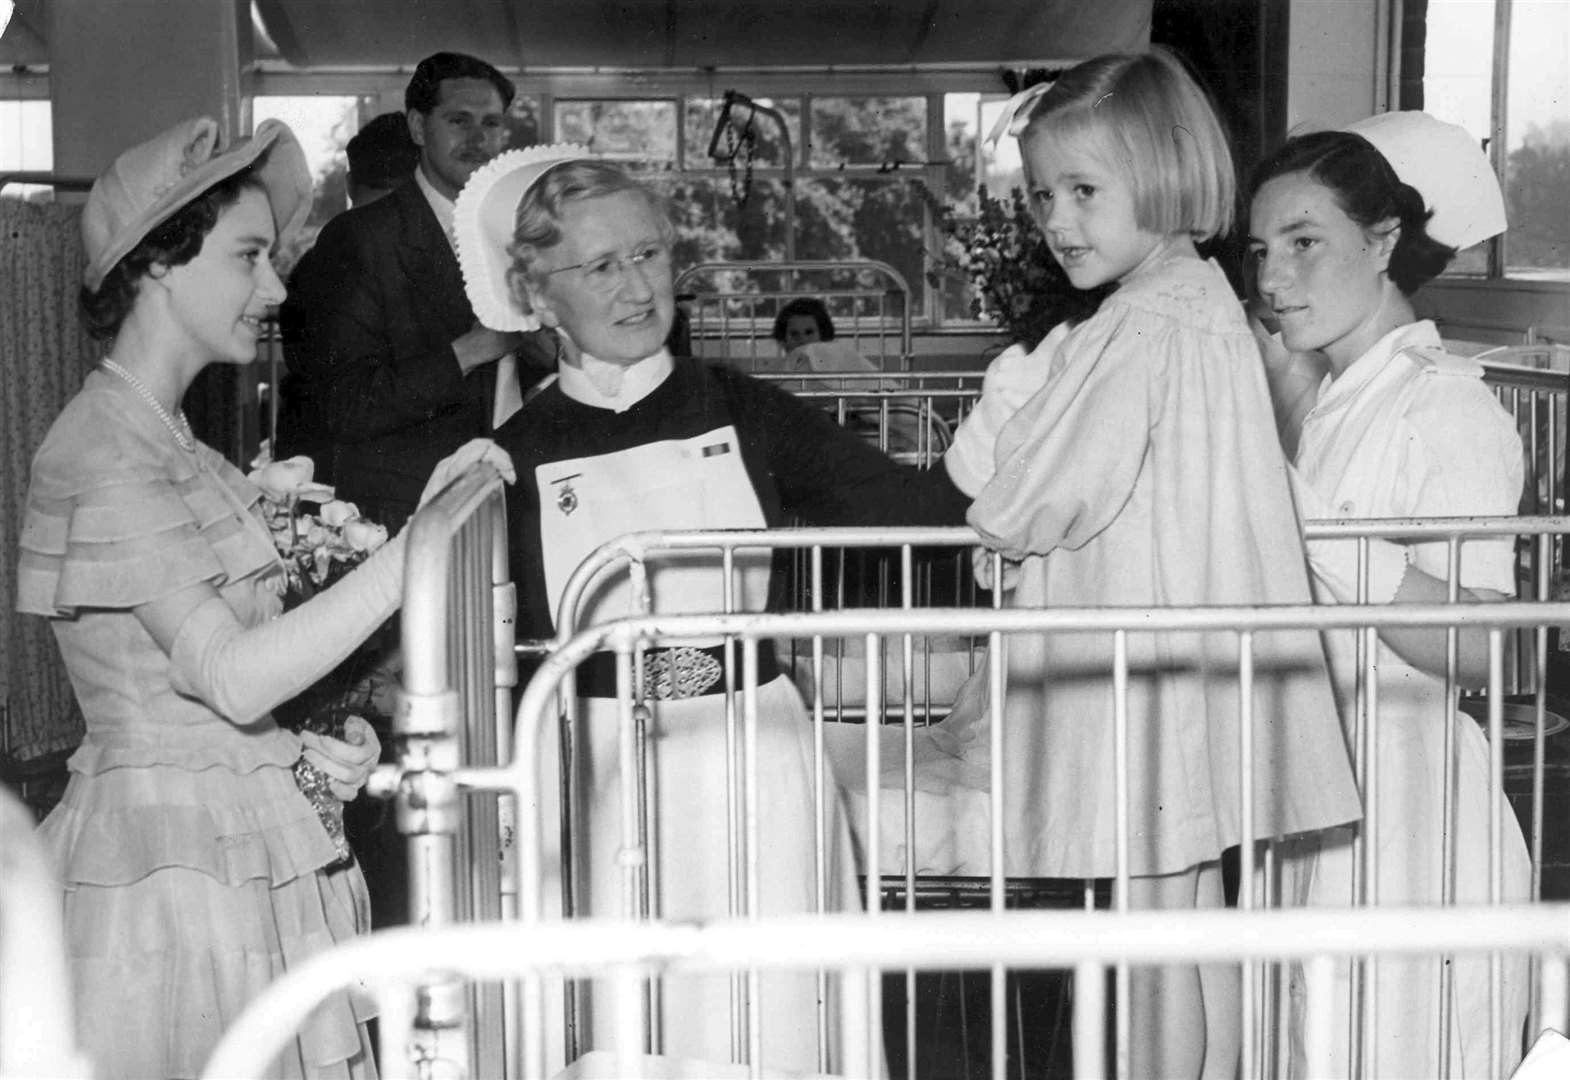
[[458, 670]]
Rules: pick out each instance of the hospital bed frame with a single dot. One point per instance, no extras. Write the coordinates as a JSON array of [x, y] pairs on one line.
[[393, 964], [429, 770], [1131, 938]]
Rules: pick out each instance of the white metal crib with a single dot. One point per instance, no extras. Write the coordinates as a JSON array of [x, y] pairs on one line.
[[1088, 942], [509, 1027], [465, 792]]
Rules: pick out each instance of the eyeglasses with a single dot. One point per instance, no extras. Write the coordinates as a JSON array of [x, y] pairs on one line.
[[607, 273]]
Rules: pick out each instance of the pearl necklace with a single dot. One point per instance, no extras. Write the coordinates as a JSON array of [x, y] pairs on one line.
[[181, 431]]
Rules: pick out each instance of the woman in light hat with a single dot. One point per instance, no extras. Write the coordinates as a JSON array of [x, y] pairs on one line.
[[195, 871], [1345, 226], [625, 438]]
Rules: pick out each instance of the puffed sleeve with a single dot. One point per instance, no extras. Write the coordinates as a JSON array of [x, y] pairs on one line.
[[111, 523], [1463, 459], [1067, 460], [1013, 377]]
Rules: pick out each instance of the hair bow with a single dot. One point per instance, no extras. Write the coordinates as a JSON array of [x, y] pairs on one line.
[[1016, 112]]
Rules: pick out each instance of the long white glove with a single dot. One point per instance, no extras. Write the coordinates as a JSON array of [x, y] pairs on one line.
[[346, 762], [244, 673], [1335, 563], [475, 450]]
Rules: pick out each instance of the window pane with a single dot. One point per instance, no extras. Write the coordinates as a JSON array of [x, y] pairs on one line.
[[324, 124], [835, 219], [713, 225], [1458, 63], [962, 133], [26, 143], [523, 122], [1537, 141], [868, 131], [767, 149], [641, 130], [865, 219]]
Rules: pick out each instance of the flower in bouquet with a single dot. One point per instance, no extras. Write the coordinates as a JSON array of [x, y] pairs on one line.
[[318, 547], [1014, 279]]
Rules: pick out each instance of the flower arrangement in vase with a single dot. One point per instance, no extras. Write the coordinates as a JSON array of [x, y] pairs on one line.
[[318, 546], [1014, 279]]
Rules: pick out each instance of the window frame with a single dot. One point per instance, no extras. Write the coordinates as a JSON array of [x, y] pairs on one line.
[[1498, 150]]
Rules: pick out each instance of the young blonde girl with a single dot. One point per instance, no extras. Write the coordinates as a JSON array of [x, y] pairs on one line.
[[1130, 460]]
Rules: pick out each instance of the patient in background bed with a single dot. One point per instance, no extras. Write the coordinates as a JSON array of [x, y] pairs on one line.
[[810, 345]]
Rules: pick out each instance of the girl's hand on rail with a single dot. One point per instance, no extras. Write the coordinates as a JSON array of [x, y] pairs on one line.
[[346, 762], [982, 561], [452, 466]]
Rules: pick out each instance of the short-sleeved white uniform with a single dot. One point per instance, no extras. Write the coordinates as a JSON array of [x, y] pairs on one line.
[[1409, 430]]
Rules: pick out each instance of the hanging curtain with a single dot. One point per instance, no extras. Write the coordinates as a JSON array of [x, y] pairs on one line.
[[44, 353]]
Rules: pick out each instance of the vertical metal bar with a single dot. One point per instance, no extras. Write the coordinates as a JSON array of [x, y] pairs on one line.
[[1120, 882], [997, 704], [1318, 1027], [874, 698], [908, 718], [1090, 1012], [754, 898], [1251, 969], [820, 797], [1450, 797], [1496, 836]]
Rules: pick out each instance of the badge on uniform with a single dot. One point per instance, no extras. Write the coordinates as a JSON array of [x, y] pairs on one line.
[[566, 497]]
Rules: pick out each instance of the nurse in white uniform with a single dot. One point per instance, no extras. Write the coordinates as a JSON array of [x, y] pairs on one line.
[[1345, 227]]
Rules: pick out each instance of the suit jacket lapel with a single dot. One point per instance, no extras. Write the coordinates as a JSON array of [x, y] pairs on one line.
[[428, 260]]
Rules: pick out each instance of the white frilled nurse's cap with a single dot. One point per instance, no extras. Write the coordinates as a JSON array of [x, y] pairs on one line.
[[483, 221], [1448, 168]]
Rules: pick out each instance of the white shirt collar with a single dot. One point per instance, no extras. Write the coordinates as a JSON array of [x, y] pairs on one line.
[[1368, 367], [441, 205], [637, 382]]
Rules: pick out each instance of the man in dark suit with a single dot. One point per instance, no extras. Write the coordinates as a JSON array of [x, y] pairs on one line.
[[388, 356], [377, 327], [380, 156]]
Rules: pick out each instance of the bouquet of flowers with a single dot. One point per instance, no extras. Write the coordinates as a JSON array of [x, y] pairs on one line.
[[318, 546], [1013, 276]]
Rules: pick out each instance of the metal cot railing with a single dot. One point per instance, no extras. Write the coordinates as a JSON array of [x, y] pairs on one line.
[[538, 711], [627, 636], [455, 709], [455, 738], [393, 964], [1525, 643]]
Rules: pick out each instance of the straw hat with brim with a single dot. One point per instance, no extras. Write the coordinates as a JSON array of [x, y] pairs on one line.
[[1447, 166], [483, 222], [148, 183]]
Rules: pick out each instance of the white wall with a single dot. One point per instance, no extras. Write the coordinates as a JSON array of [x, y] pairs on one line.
[[1334, 57]]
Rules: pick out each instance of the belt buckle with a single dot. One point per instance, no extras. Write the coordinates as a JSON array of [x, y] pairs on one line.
[[679, 672]]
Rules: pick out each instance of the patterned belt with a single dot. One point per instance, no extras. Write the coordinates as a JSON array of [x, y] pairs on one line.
[[679, 672]]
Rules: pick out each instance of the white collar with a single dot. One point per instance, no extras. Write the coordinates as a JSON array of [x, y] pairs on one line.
[[1376, 361], [441, 205], [637, 381]]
